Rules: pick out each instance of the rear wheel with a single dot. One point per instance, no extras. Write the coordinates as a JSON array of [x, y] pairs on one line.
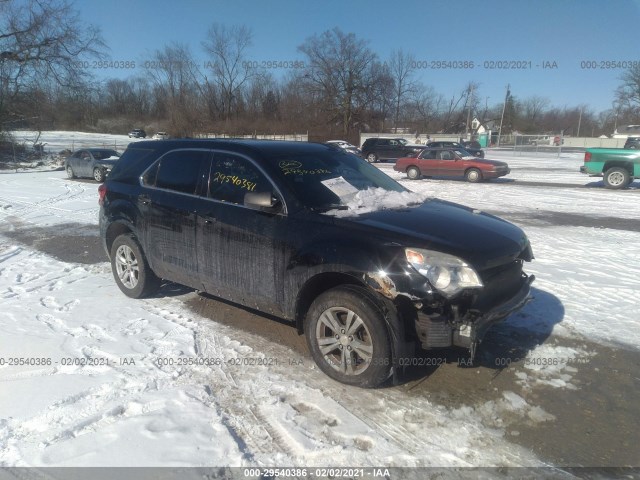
[[473, 175], [616, 178], [348, 337], [372, 158], [413, 173], [130, 268]]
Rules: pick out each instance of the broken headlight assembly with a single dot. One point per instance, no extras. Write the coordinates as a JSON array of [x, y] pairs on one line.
[[448, 274]]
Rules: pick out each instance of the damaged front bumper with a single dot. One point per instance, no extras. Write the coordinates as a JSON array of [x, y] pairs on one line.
[[435, 330]]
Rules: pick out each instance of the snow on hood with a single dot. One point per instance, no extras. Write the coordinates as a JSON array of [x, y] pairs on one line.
[[373, 199]]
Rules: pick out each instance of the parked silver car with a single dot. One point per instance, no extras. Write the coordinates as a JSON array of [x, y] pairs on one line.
[[91, 162]]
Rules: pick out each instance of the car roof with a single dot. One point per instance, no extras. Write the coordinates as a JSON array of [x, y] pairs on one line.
[[386, 138], [266, 148]]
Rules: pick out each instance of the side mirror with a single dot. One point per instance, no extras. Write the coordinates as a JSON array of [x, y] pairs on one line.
[[261, 200]]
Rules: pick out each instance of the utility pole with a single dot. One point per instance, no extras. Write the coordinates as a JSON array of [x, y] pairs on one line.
[[506, 98], [469, 102], [579, 122]]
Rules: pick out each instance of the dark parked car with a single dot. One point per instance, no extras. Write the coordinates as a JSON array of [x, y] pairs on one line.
[[450, 162], [91, 162], [346, 146], [632, 142], [137, 133], [275, 226], [375, 149], [476, 151]]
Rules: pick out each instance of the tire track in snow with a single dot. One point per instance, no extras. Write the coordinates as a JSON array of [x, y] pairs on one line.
[[72, 191], [375, 419], [276, 414]]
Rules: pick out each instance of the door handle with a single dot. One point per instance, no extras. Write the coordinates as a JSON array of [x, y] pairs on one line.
[[144, 199]]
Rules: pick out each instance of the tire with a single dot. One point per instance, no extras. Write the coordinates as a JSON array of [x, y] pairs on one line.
[[99, 175], [372, 158], [70, 173], [361, 359], [617, 178], [473, 175], [413, 173], [130, 269]]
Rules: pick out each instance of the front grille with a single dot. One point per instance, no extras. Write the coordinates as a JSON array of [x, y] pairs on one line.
[[500, 284]]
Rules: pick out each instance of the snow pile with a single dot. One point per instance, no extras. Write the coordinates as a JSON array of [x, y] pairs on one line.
[[553, 366], [373, 199], [499, 414]]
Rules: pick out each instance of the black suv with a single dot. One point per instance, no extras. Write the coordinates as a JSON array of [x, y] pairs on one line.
[[375, 149], [365, 268], [632, 142], [468, 146]]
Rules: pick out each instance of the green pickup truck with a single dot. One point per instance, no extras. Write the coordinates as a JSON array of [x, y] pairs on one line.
[[617, 166]]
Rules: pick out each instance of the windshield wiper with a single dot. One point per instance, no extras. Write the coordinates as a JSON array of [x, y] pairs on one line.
[[330, 206]]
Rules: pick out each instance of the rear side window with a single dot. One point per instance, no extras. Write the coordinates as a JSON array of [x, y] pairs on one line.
[[428, 154], [233, 176], [131, 164], [179, 171]]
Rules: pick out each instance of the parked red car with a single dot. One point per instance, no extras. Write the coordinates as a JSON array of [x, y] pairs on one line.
[[450, 162]]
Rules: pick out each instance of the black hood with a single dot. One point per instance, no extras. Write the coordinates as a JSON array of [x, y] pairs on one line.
[[482, 239]]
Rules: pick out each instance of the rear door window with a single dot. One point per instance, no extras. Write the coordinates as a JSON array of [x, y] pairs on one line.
[[180, 171]]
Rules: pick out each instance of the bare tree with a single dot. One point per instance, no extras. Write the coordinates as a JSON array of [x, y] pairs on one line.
[[42, 42], [401, 67], [339, 72], [627, 96], [425, 107], [453, 114], [532, 110], [228, 47], [175, 77], [380, 97]]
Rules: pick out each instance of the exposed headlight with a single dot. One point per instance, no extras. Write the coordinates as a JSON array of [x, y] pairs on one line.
[[448, 274]]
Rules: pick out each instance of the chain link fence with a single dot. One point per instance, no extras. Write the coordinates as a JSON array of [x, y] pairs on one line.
[[26, 149], [519, 144]]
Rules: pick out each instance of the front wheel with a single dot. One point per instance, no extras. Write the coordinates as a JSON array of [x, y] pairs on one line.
[[616, 178], [70, 173], [348, 337], [413, 173], [372, 158], [99, 174], [130, 268], [473, 175]]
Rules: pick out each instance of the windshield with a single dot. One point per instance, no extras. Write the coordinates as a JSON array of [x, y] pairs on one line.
[[330, 180], [464, 153], [104, 154]]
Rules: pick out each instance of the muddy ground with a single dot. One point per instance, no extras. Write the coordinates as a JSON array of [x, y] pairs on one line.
[[593, 422]]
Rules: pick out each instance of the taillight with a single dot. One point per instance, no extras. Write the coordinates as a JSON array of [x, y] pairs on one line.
[[587, 157], [102, 191]]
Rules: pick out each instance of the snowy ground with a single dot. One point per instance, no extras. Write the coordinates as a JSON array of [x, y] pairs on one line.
[[89, 377]]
